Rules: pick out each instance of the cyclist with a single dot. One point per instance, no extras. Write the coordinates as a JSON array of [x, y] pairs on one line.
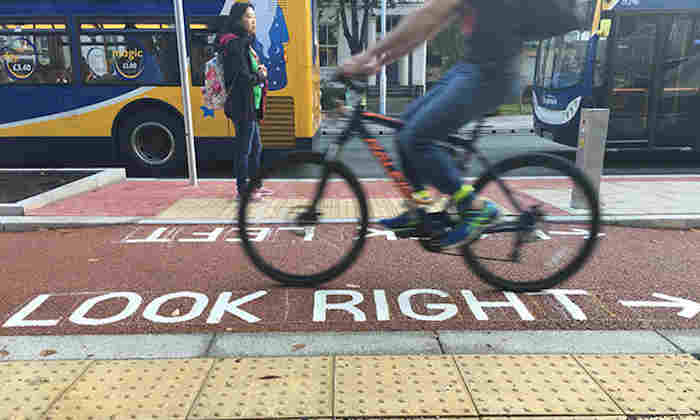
[[475, 85]]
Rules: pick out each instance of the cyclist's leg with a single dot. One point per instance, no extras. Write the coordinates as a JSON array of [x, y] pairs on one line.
[[468, 94], [413, 176], [471, 91], [421, 195]]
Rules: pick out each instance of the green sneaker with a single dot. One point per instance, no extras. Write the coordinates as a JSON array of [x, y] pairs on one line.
[[473, 224]]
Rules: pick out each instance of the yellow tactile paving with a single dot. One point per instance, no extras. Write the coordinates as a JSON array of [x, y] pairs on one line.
[[27, 389], [133, 389], [643, 384], [196, 207], [270, 208], [555, 418], [267, 388], [498, 387], [371, 386], [532, 385], [285, 209]]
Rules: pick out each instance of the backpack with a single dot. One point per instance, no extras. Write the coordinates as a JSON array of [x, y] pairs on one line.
[[214, 91], [543, 19]]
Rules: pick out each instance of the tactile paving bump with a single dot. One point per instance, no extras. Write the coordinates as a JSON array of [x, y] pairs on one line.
[[648, 384], [533, 385], [562, 418], [133, 389], [266, 388], [373, 386], [28, 388]]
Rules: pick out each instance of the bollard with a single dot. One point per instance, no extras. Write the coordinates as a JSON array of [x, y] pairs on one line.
[[593, 131]]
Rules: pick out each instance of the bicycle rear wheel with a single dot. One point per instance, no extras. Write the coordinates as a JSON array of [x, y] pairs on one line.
[[542, 245], [294, 240]]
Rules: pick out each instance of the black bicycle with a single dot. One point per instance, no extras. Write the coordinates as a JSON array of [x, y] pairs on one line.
[[316, 231]]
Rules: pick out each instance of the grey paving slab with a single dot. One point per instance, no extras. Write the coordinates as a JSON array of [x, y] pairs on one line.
[[31, 223], [104, 347], [687, 340], [102, 178], [315, 344], [555, 342]]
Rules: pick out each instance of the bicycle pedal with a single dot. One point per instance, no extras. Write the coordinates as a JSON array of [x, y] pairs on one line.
[[405, 233]]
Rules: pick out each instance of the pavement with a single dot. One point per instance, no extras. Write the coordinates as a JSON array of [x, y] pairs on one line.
[[491, 375], [657, 201], [503, 124]]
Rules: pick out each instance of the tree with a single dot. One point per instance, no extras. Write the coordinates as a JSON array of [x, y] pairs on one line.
[[355, 31]]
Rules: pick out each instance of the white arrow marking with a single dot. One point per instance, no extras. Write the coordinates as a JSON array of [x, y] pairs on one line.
[[574, 232], [690, 308]]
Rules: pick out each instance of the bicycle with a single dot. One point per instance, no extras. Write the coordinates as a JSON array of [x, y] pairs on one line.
[[315, 239]]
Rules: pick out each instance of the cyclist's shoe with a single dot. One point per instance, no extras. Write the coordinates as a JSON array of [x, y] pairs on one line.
[[404, 221], [473, 223], [422, 197]]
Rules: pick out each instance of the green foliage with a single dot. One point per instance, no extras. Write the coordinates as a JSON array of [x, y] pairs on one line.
[[354, 24], [330, 94]]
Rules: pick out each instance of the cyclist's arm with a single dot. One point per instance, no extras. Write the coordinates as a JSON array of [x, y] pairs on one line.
[[415, 28]]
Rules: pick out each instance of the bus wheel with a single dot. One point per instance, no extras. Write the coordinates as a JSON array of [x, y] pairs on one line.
[[152, 144]]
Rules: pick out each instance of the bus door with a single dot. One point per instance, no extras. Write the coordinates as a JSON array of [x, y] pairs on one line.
[[632, 75], [679, 85]]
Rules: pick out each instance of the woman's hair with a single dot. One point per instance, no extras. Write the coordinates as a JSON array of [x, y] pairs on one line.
[[232, 23]]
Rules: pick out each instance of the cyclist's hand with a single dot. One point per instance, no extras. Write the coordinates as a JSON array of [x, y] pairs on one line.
[[360, 65]]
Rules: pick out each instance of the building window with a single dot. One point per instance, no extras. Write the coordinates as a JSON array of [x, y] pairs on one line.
[[328, 45]]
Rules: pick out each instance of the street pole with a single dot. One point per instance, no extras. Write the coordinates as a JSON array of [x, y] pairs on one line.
[[185, 84], [382, 75]]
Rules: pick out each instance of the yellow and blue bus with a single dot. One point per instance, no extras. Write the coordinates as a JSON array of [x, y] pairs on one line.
[[640, 59], [96, 83]]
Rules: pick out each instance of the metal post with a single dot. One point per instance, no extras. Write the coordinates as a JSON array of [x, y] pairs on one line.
[[185, 84], [593, 131], [382, 75]]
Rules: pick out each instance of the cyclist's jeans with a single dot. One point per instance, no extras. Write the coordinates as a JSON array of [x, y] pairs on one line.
[[464, 93]]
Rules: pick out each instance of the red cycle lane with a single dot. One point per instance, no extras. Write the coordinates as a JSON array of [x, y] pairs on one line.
[[195, 278]]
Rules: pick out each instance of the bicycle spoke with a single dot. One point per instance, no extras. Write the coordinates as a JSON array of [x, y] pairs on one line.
[[306, 244], [541, 246]]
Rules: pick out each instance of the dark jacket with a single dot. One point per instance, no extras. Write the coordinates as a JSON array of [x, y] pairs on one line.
[[240, 79], [494, 39]]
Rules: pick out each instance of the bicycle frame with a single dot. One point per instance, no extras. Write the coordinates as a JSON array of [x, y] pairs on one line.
[[356, 126]]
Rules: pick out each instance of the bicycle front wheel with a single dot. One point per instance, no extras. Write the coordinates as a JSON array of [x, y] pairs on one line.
[[312, 228], [546, 241]]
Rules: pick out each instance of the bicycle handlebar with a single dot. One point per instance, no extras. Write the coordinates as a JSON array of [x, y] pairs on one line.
[[352, 83]]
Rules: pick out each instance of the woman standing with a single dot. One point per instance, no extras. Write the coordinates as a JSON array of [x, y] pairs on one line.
[[246, 80]]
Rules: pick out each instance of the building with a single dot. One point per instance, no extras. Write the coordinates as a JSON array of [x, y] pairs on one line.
[[333, 46], [410, 71]]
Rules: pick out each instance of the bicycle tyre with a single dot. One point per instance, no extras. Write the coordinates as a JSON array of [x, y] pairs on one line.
[[577, 178], [335, 168]]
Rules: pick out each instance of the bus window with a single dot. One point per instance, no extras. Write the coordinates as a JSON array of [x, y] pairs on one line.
[[632, 75], [34, 54], [681, 82], [682, 61], [562, 60], [143, 54], [202, 49], [634, 52]]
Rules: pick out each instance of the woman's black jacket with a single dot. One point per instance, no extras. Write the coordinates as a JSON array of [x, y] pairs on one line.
[[240, 78]]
